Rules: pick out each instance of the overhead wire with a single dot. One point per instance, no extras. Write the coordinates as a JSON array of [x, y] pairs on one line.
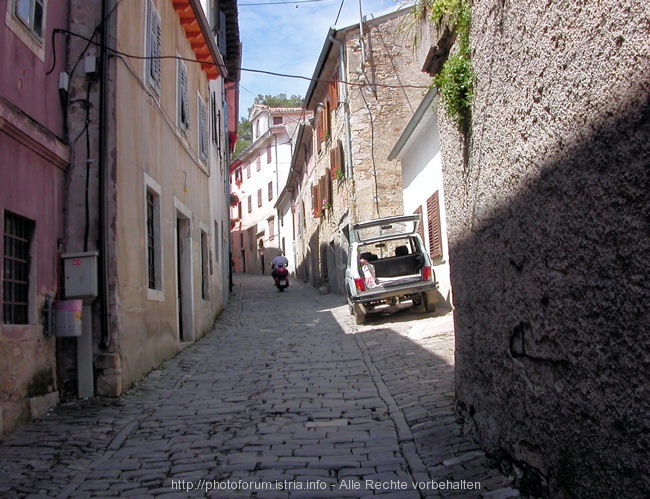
[[249, 70]]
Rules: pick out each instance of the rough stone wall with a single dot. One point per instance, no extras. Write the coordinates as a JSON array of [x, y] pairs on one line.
[[549, 223]]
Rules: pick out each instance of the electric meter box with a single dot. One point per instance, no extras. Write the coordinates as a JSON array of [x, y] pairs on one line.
[[80, 274]]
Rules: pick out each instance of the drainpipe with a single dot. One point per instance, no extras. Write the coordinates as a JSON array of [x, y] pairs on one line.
[[103, 182]]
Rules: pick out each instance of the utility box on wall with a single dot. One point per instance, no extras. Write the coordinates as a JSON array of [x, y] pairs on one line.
[[80, 274]]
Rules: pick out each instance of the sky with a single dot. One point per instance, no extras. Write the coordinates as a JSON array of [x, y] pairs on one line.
[[287, 37]]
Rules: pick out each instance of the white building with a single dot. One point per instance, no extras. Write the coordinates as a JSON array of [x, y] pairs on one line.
[[257, 178], [418, 150]]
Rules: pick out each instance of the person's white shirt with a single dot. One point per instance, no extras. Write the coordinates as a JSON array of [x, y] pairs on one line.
[[279, 261]]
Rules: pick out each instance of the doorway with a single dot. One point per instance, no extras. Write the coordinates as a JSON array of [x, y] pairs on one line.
[[184, 278]]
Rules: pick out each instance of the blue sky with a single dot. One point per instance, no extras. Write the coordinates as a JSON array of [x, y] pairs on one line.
[[287, 38]]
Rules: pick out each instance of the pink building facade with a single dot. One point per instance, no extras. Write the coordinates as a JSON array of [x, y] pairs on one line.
[[33, 164]]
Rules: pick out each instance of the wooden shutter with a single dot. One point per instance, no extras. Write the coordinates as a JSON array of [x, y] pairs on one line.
[[315, 201], [421, 226], [433, 216], [153, 46], [183, 97], [203, 130]]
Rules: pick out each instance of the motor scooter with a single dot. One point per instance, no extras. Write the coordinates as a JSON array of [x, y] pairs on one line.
[[281, 278]]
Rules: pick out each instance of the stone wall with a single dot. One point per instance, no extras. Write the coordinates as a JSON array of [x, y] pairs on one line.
[[549, 223], [387, 89]]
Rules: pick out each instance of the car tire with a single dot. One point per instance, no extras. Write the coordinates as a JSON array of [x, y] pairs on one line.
[[359, 314], [429, 302]]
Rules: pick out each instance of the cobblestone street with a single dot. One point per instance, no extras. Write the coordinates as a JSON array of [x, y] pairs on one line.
[[286, 397]]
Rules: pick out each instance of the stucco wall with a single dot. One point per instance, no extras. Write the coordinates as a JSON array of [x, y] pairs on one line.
[[33, 162], [549, 235]]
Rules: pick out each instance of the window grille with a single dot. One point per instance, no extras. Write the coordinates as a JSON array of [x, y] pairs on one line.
[[151, 240], [18, 233]]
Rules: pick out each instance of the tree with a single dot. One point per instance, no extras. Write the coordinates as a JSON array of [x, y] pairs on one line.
[[245, 127]]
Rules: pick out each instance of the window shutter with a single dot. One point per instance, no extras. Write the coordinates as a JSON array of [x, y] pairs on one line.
[[433, 216], [315, 201], [421, 226], [183, 98], [154, 31], [203, 130]]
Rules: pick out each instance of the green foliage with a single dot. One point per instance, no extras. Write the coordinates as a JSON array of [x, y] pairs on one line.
[[455, 81], [455, 84], [244, 136], [245, 127], [280, 100]]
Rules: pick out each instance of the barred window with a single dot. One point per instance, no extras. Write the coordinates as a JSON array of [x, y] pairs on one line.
[[153, 235], [18, 234]]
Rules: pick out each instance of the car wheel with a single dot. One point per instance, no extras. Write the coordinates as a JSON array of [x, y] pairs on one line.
[[359, 314], [429, 302]]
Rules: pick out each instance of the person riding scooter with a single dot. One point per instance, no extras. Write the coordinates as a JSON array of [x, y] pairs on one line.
[[279, 271]]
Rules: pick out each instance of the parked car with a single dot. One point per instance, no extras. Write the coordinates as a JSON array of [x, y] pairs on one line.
[[388, 265]]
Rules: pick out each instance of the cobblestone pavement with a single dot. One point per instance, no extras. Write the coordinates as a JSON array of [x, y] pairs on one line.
[[286, 397]]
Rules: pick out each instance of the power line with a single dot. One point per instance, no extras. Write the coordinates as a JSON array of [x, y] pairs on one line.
[[248, 70], [297, 2]]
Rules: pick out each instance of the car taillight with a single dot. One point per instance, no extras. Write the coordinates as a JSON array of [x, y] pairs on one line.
[[360, 285], [426, 273]]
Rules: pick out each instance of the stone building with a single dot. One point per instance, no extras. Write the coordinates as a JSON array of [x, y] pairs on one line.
[[365, 88], [548, 216]]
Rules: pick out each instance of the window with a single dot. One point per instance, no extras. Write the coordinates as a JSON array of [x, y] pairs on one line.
[[153, 256], [259, 197], [333, 89], [270, 191], [18, 234], [271, 222], [336, 162], [258, 164], [31, 12], [433, 217], [250, 204], [202, 117], [153, 34], [277, 120], [315, 201], [183, 99], [268, 153]]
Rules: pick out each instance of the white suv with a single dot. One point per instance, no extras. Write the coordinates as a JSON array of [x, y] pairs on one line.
[[388, 265]]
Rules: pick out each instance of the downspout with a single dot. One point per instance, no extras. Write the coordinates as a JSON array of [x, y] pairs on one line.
[[103, 182]]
